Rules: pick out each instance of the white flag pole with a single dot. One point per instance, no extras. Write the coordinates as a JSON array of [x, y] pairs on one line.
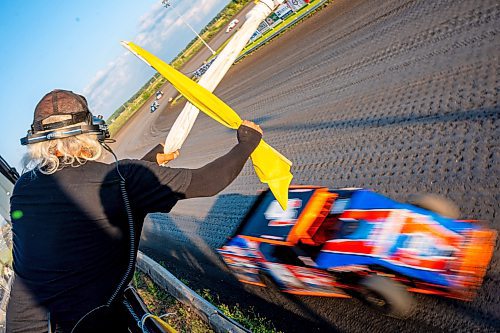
[[212, 77]]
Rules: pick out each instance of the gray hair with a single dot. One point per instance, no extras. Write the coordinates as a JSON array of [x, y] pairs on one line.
[[53, 155]]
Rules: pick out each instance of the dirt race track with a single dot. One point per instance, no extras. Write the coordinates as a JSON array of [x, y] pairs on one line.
[[398, 96]]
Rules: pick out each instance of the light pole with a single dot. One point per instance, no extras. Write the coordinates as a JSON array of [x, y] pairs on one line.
[[166, 4]]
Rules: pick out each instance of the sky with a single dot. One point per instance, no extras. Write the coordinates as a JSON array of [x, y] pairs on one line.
[[75, 45]]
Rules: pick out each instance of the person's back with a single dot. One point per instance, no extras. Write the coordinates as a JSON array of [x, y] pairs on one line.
[[71, 225], [64, 239]]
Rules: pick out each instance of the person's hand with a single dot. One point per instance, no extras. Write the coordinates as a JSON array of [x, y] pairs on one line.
[[163, 159], [253, 125], [249, 133]]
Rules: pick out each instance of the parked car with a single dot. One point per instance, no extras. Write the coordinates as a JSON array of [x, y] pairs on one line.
[[232, 24], [358, 243]]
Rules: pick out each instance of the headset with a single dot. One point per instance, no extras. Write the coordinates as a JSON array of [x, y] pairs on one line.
[[63, 129]]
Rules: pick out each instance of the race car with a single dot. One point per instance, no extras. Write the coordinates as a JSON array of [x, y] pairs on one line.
[[231, 25], [154, 106], [358, 243], [159, 94]]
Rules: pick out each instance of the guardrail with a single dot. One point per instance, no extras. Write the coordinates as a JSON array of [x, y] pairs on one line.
[[207, 311]]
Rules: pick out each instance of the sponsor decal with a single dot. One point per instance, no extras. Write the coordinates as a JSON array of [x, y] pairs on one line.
[[296, 4], [283, 11], [278, 217]]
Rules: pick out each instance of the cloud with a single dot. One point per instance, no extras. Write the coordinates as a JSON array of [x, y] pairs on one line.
[[115, 83], [161, 24], [202, 8], [110, 84]]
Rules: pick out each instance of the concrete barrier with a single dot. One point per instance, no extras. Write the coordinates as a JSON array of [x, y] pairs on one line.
[[218, 321]]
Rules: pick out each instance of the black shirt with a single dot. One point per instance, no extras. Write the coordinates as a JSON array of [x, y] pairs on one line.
[[70, 231], [73, 233]]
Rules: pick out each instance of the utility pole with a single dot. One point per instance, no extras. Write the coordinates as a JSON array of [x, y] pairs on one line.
[[166, 4]]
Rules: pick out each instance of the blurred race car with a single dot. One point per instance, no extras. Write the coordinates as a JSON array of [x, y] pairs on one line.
[[358, 243], [159, 94]]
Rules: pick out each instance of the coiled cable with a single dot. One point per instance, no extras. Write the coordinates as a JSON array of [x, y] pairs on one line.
[[131, 226]]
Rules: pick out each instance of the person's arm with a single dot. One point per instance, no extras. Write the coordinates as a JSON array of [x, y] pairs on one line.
[[217, 175], [156, 155], [151, 155], [153, 188]]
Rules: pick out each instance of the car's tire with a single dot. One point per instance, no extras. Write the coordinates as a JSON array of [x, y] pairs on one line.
[[386, 296], [269, 281], [437, 204]]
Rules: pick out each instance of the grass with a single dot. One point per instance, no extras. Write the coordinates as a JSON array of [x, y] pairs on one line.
[[185, 320], [129, 108], [261, 41], [283, 24], [212, 28], [180, 317], [246, 317], [120, 117]]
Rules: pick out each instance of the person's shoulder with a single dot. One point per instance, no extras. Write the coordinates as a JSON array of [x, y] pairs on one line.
[[88, 167], [138, 164], [27, 178], [139, 168]]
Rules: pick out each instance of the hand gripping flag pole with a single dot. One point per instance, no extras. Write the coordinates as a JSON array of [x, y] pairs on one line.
[[271, 167]]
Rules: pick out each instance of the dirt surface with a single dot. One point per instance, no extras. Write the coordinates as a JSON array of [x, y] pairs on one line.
[[397, 96], [144, 130]]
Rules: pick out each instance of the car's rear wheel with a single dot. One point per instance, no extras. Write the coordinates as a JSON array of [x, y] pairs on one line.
[[386, 296], [269, 281], [437, 204]]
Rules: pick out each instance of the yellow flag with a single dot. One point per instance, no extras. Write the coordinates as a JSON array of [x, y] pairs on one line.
[[271, 167]]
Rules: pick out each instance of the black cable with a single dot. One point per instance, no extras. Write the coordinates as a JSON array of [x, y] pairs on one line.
[[131, 263], [135, 316], [128, 209]]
